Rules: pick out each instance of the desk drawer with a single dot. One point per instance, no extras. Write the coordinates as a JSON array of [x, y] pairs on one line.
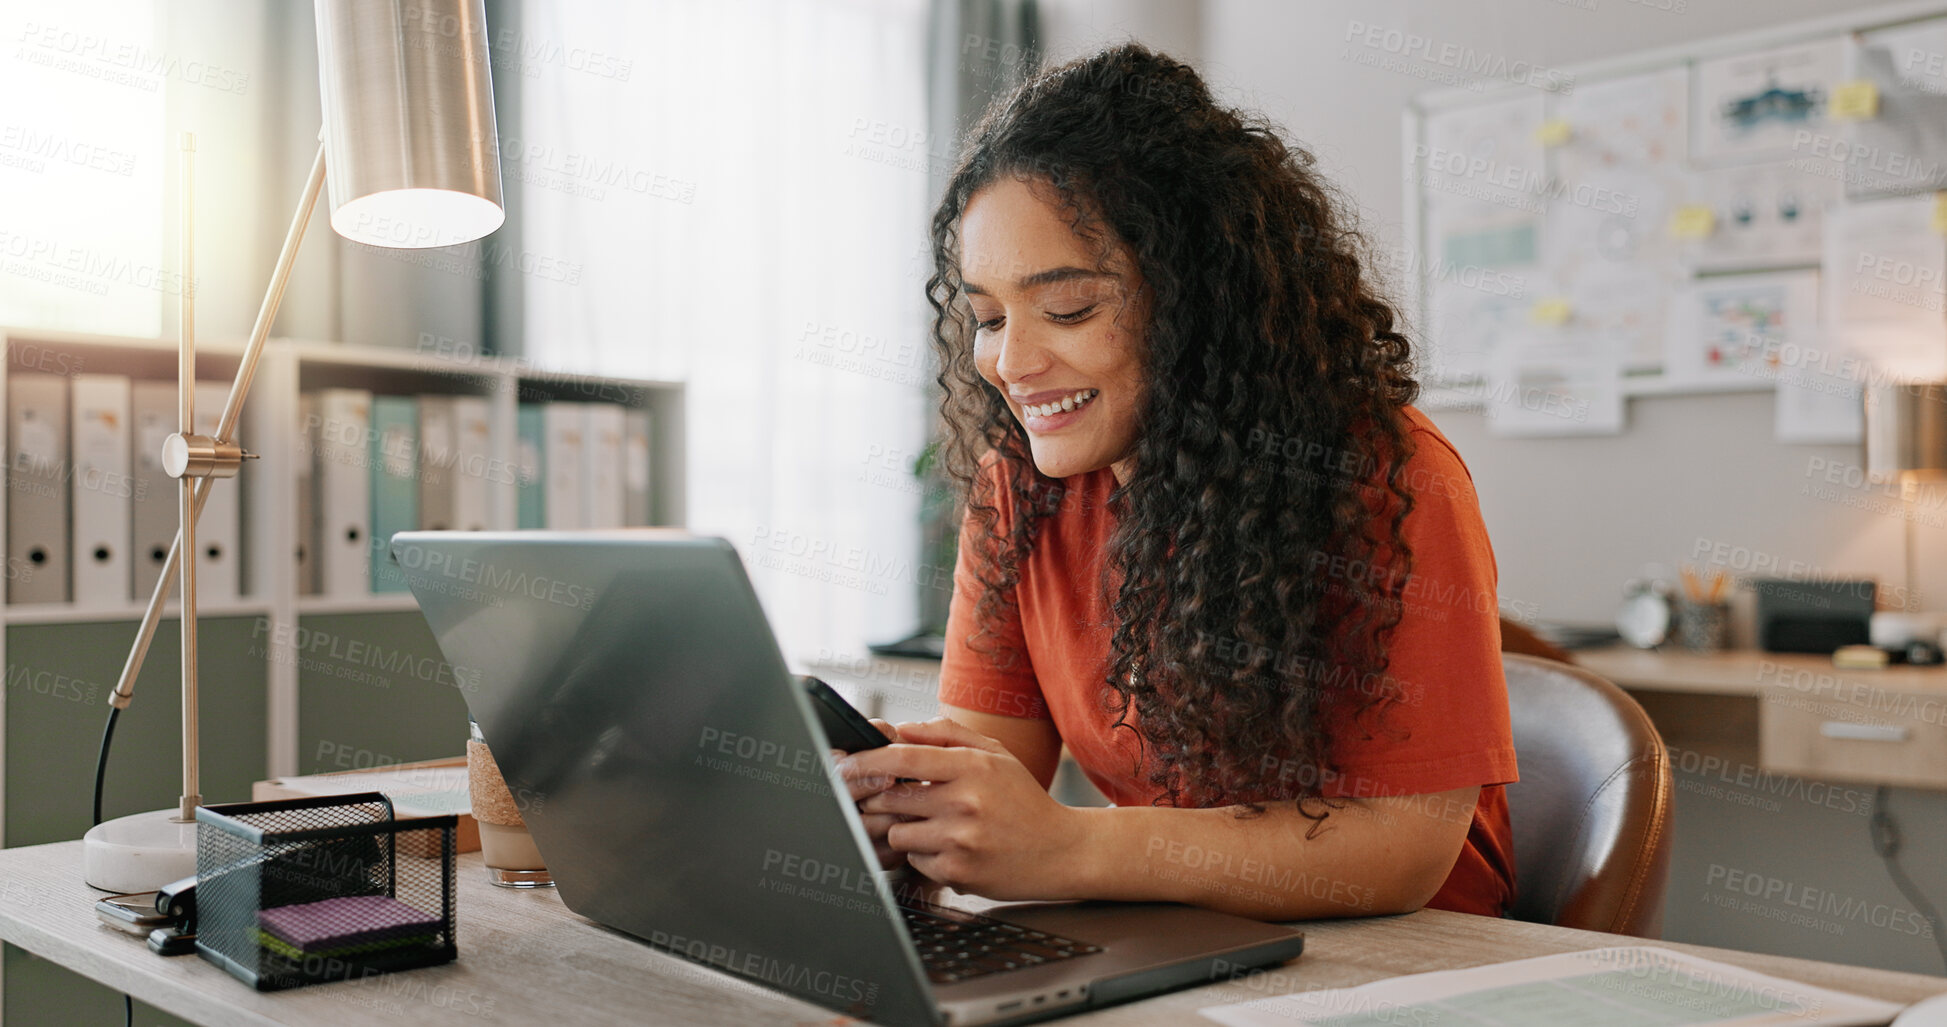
[[1843, 726]]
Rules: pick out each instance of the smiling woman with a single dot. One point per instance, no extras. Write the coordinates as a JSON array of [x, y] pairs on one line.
[[1071, 371], [1210, 546]]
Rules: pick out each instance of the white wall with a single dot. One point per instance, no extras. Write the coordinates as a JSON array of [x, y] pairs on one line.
[[1070, 28], [1571, 519]]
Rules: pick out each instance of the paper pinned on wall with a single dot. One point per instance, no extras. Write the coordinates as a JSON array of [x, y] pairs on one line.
[[1628, 121], [1624, 305], [1761, 216], [1900, 147], [1738, 331], [1479, 170], [1614, 188], [1466, 324], [1482, 278], [1886, 286], [1598, 988], [1617, 182], [1819, 403], [1752, 107], [1487, 153], [1551, 388]]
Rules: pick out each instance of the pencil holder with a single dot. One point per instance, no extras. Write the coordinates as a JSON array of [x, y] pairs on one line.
[[1703, 627], [301, 891]]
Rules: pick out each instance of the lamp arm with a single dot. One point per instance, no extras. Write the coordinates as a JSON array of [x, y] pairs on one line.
[[232, 409], [192, 796]]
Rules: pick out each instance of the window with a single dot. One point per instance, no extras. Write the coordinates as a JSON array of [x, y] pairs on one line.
[[733, 193]]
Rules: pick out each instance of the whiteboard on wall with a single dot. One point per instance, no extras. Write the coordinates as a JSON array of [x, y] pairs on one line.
[[1706, 218]]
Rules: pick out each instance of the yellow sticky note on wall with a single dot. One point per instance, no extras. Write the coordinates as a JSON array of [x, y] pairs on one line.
[[1695, 221], [1857, 100], [1550, 311], [1940, 213], [1554, 132]]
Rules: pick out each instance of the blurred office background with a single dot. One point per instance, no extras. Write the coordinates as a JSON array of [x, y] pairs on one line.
[[733, 194]]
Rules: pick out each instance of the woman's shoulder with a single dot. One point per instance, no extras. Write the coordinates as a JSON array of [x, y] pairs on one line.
[[1433, 464], [1430, 444]]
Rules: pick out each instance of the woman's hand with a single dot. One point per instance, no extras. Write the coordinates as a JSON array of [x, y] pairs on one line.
[[972, 817], [876, 824]]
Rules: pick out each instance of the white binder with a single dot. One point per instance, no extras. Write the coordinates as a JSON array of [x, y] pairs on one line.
[[343, 483], [437, 454], [102, 488], [603, 426], [306, 441], [152, 406], [636, 511], [37, 489], [219, 530], [473, 463], [562, 426]]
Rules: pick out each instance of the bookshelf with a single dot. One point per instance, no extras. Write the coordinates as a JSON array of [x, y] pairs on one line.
[[281, 696]]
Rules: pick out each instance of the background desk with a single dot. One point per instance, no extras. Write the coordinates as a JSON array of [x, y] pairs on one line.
[[1764, 793], [1779, 711], [1761, 795], [524, 959]]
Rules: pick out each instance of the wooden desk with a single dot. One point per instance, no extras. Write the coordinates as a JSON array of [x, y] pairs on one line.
[[1746, 672], [1790, 713], [524, 959]]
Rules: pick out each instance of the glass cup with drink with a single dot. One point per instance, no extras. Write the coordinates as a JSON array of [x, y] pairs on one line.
[[512, 860]]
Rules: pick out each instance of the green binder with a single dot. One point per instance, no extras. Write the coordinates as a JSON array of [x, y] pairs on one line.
[[531, 469], [395, 483]]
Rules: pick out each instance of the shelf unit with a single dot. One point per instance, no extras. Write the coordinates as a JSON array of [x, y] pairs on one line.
[[270, 428]]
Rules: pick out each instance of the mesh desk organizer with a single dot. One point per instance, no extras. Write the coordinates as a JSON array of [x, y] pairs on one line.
[[301, 891]]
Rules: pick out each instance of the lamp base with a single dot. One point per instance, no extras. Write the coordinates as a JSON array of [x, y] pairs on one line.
[[140, 852]]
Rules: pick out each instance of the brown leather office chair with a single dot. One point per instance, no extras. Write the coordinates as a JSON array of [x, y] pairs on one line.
[[1591, 813], [1516, 638]]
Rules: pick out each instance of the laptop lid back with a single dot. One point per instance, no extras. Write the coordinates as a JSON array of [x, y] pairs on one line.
[[670, 771]]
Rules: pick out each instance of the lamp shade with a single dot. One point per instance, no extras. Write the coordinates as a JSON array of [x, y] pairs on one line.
[[1906, 430], [411, 154]]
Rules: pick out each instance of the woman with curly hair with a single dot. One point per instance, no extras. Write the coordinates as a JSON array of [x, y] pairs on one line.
[[1210, 546]]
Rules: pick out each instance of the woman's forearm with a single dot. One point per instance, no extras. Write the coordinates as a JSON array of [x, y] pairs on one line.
[[1368, 857], [967, 813]]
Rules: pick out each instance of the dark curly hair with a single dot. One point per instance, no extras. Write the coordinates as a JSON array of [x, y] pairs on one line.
[[1231, 646]]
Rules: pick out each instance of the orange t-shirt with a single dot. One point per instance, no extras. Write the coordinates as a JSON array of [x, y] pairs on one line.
[[1449, 731]]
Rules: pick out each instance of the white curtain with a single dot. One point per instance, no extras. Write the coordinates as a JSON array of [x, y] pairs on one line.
[[733, 193]]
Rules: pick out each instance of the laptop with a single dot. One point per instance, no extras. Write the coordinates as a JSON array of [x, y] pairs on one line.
[[678, 783]]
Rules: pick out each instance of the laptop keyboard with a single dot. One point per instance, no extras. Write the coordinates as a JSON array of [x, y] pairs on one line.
[[955, 945]]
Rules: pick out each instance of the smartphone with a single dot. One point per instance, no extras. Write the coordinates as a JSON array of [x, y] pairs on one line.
[[846, 728]]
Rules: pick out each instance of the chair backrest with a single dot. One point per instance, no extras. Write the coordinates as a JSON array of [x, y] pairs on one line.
[[1591, 813]]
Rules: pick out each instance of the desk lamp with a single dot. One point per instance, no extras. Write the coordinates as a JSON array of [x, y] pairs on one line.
[[1906, 439], [413, 154]]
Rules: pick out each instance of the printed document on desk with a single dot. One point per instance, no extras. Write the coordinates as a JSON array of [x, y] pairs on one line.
[[1611, 987]]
